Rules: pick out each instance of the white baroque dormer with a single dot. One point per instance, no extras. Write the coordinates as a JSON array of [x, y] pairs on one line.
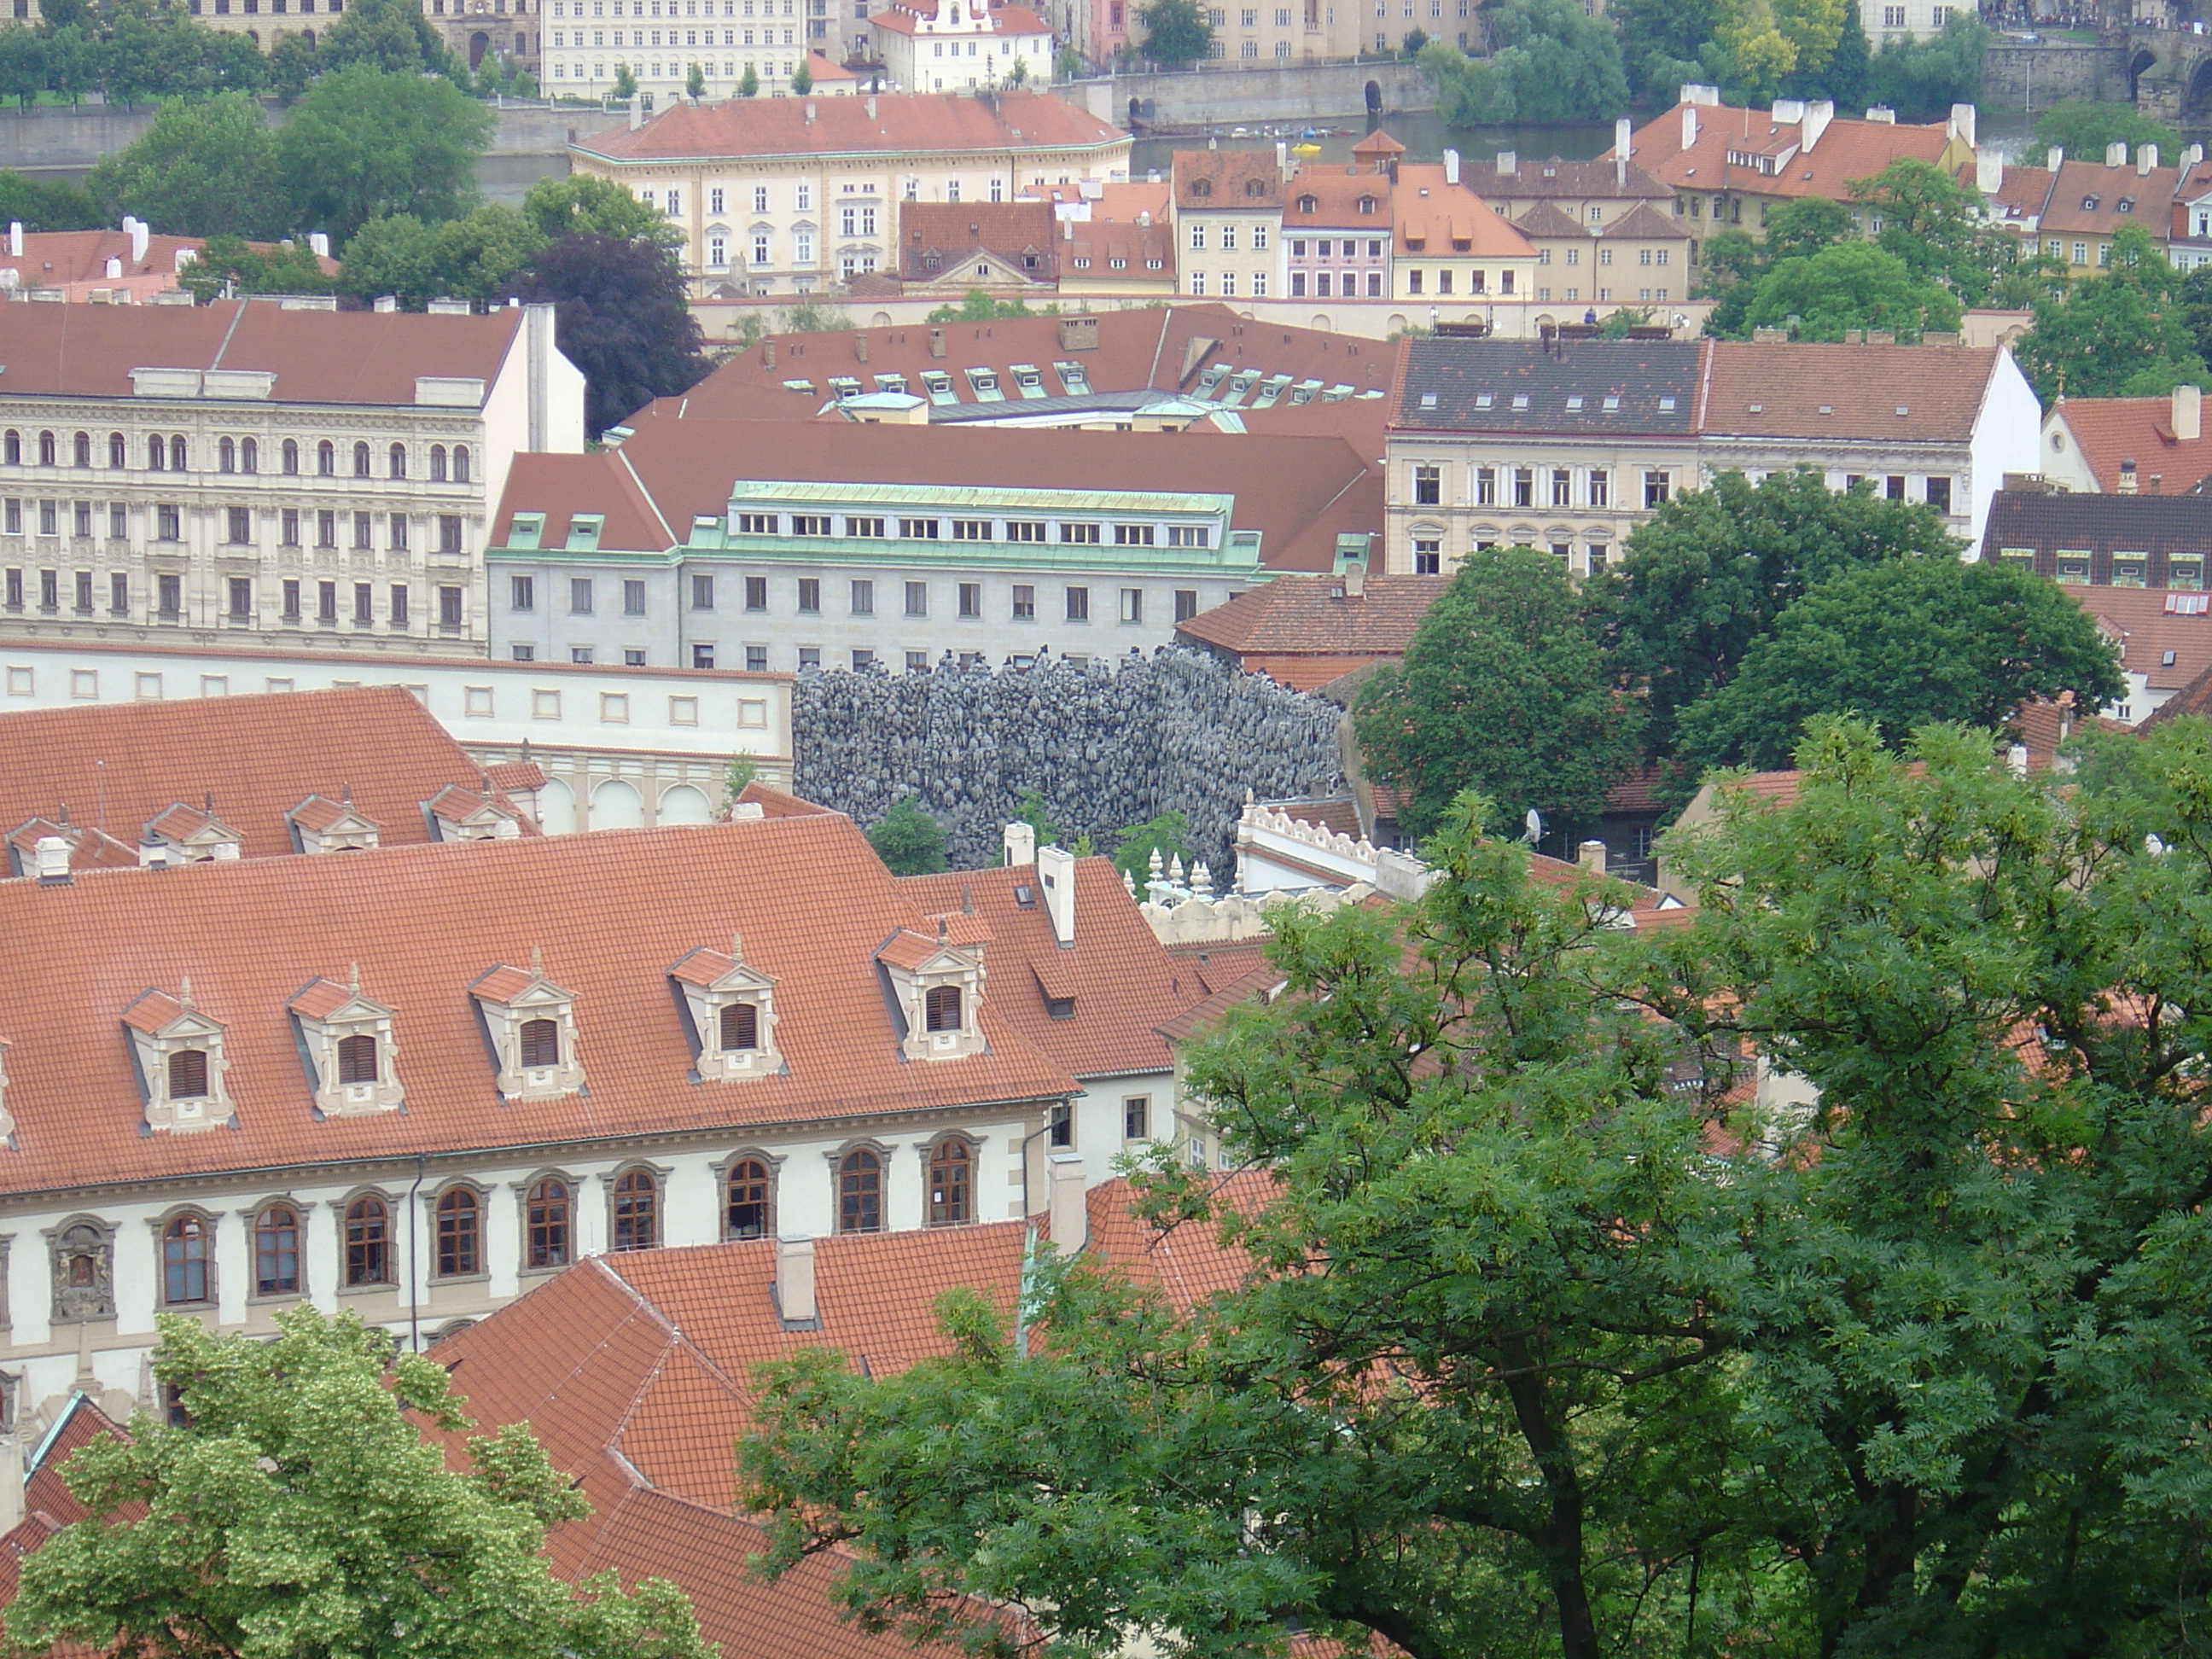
[[320, 824], [532, 1023], [458, 814], [189, 835], [181, 1069], [346, 1041], [938, 983], [731, 1008]]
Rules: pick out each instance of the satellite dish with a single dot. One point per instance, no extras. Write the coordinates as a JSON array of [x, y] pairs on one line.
[[1534, 825]]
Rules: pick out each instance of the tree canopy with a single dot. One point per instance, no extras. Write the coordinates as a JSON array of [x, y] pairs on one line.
[[296, 1510], [1614, 1355], [1175, 31], [364, 143], [1549, 61], [621, 317], [2123, 333], [1848, 285], [206, 168], [907, 840], [1922, 79], [1752, 50], [1903, 644], [1504, 689], [2083, 129]]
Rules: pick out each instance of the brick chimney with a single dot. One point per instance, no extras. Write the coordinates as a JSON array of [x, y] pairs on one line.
[[1067, 1218], [794, 1282]]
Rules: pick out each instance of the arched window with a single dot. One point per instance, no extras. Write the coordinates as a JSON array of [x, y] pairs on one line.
[[940, 1007], [12, 448], [46, 451], [358, 1059], [276, 1251], [740, 1026], [249, 455], [326, 459], [368, 1241], [460, 1233], [637, 1211], [81, 449], [119, 452], [291, 458], [399, 460], [184, 1260], [226, 456], [951, 1184], [177, 453], [750, 1215], [860, 1193], [157, 454], [460, 463], [541, 1042], [360, 460], [437, 464], [548, 1224], [188, 1074]]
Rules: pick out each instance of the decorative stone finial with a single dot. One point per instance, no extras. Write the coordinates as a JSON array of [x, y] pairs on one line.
[[184, 993], [737, 946], [352, 978], [536, 963]]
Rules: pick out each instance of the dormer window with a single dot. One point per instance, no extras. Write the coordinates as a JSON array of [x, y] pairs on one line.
[[941, 1004], [346, 1041], [730, 1005], [189, 835], [1367, 204], [1256, 186], [178, 1050], [320, 824], [532, 1023], [1308, 204], [938, 984], [1201, 187], [458, 814]]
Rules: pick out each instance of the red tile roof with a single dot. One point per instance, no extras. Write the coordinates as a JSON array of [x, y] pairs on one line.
[[1439, 220], [54, 258], [1779, 389], [115, 766], [1316, 615], [1226, 180], [1847, 150], [2109, 430], [934, 237], [610, 913], [1004, 20], [316, 356], [749, 127], [2089, 198], [2138, 621]]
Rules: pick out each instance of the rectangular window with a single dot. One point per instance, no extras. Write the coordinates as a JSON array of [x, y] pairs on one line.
[[1939, 494], [397, 608], [1185, 604], [755, 593], [326, 528], [1024, 530], [522, 592], [633, 599], [810, 594], [703, 592], [1486, 486], [1524, 486], [971, 599], [1084, 535], [170, 591], [364, 604], [1563, 487], [1601, 487], [363, 531], [449, 607], [1060, 1120], [1133, 535], [810, 524], [867, 528], [971, 530], [1133, 605], [1024, 602], [49, 520], [1428, 556], [1079, 605], [1657, 487], [119, 594], [703, 656], [168, 525], [580, 596], [14, 590], [326, 604], [1190, 535], [1137, 1118], [917, 599], [289, 526], [864, 598], [14, 518], [240, 590], [398, 528], [83, 518], [916, 530], [291, 601], [757, 524], [118, 522], [1894, 487], [50, 590], [449, 532]]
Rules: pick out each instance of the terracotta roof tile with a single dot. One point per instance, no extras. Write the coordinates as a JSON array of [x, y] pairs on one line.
[[117, 765], [751, 128], [319, 998], [1781, 388], [57, 259], [2107, 431], [1845, 151], [1441, 219], [1573, 180], [1545, 220], [1226, 180], [1315, 614]]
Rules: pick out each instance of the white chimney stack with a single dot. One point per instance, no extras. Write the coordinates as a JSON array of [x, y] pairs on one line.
[[15, 239], [1591, 856], [2054, 157], [1509, 163], [1989, 171], [2146, 159], [50, 859], [1818, 114], [2116, 153], [1623, 137], [1021, 842], [186, 255], [2016, 760], [319, 244], [1962, 123], [1055, 868], [1067, 1218], [1451, 167], [2188, 413], [114, 270], [795, 1281], [1689, 126], [140, 232]]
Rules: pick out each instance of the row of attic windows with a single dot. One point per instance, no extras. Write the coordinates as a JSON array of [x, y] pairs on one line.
[[83, 1263], [173, 455]]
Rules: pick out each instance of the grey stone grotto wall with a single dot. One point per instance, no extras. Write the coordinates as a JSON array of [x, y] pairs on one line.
[[1106, 744]]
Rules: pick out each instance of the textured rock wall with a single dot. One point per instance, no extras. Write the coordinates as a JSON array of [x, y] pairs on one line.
[[1107, 745]]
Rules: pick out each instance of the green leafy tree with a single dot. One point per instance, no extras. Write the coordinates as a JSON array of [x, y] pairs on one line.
[[297, 1509], [1034, 811], [1850, 285], [201, 169], [2082, 129], [694, 82], [977, 306], [737, 778], [1664, 43], [815, 317], [1549, 63], [1706, 576], [1175, 31], [393, 36], [363, 143], [1935, 225], [907, 840], [477, 257], [1734, 261], [39, 205], [600, 207], [1019, 75], [2123, 333], [1167, 835], [1504, 691], [227, 265], [22, 65], [1903, 644], [72, 62], [1842, 78], [802, 79], [622, 318], [1922, 79], [292, 63], [749, 84], [625, 84]]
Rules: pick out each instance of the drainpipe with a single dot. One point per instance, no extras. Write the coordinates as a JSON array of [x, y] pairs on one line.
[[415, 1262]]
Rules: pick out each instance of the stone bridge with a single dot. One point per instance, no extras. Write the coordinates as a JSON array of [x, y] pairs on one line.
[[2170, 76]]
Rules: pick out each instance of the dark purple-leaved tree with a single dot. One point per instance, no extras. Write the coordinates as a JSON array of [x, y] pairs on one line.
[[621, 317]]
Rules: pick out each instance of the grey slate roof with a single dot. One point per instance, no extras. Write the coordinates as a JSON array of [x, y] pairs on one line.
[[1566, 388], [2100, 526]]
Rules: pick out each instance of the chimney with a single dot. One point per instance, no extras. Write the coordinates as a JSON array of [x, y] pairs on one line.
[[860, 348], [2146, 159], [1689, 127], [1021, 844], [319, 244], [1355, 579], [49, 858], [2188, 413], [385, 302], [2016, 760], [1451, 167], [15, 239], [1143, 220], [636, 113], [114, 270], [1989, 171], [1509, 163], [1282, 157], [767, 354], [1624, 135], [1590, 855], [1067, 1218], [937, 343], [2193, 156], [138, 227], [1883, 113], [2127, 486], [1055, 868], [871, 108], [1818, 114], [2116, 153], [2055, 157], [794, 1282], [1961, 124], [809, 112], [1789, 111], [186, 255]]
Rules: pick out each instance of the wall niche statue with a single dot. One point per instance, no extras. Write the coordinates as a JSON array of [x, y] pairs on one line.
[[84, 1272]]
